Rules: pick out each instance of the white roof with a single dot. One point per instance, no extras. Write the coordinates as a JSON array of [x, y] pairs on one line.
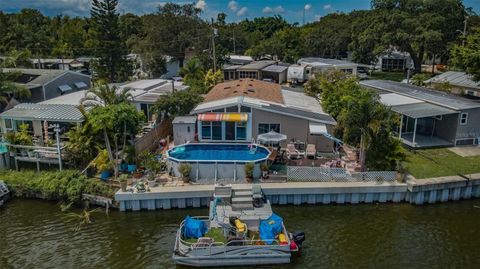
[[144, 84], [456, 78], [73, 98], [241, 57], [301, 101], [393, 99]]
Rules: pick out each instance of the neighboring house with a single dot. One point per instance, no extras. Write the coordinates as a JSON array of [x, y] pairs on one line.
[[322, 64], [239, 59], [457, 82], [146, 92], [240, 110], [267, 70], [46, 84], [62, 111], [59, 64], [430, 118], [394, 61]]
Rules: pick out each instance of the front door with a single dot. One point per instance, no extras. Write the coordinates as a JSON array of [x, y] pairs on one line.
[[229, 130]]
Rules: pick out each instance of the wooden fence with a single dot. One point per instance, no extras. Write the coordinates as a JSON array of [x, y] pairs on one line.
[[150, 140]]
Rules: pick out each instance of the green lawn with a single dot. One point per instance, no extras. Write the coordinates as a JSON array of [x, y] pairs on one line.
[[395, 76], [440, 162]]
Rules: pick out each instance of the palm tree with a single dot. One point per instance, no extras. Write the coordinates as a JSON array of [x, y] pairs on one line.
[[104, 95], [192, 71]]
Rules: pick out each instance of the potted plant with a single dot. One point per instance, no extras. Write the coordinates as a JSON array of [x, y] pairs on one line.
[[249, 167], [130, 159], [264, 167], [185, 169], [123, 182], [103, 164]]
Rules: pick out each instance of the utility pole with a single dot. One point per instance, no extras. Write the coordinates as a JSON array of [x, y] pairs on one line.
[[214, 33], [234, 45], [464, 31]]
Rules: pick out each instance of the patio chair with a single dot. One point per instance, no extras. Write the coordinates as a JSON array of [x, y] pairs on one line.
[[311, 151], [292, 152]]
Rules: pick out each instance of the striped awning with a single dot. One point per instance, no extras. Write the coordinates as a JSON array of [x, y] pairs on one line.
[[223, 117]]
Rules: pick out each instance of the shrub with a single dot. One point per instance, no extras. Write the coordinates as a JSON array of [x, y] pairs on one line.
[[65, 185], [185, 169], [249, 170]]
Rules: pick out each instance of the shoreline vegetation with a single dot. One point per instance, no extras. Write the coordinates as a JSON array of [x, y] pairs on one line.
[[63, 186]]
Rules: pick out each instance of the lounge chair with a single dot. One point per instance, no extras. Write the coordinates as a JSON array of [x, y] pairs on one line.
[[311, 151], [292, 152]]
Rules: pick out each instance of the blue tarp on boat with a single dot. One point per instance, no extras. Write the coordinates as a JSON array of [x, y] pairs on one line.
[[270, 228], [194, 228]]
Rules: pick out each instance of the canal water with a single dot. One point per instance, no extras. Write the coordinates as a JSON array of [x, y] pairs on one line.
[[36, 234]]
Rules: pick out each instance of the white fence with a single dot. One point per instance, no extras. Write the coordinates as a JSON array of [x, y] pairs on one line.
[[324, 174]]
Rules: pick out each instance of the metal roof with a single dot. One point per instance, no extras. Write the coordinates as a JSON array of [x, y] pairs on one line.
[[314, 61], [43, 75], [422, 110], [258, 65], [275, 68], [50, 112], [232, 67], [184, 120], [428, 95], [393, 99], [455, 78]]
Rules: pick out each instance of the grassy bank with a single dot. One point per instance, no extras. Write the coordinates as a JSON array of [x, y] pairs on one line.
[[440, 162], [54, 185]]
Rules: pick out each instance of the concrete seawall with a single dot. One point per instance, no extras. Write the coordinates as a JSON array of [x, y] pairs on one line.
[[297, 193]]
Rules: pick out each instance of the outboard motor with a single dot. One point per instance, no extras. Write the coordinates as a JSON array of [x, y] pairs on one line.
[[298, 237]]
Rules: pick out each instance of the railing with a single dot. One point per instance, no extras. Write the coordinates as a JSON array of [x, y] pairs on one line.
[[326, 174]]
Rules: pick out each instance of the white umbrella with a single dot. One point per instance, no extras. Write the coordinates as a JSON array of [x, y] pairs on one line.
[[271, 137]]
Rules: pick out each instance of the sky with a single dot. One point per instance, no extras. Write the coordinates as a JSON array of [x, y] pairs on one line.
[[292, 10]]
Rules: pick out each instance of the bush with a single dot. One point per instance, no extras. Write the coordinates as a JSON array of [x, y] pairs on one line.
[[66, 185], [249, 167], [185, 169]]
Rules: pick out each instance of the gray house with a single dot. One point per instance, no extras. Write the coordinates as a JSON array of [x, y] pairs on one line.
[[430, 118], [45, 84]]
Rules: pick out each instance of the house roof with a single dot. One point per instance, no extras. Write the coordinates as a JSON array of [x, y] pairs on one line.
[[39, 76], [455, 78], [74, 98], [294, 104], [320, 62], [422, 110], [49, 112], [257, 65], [149, 90], [428, 95], [275, 68], [252, 88]]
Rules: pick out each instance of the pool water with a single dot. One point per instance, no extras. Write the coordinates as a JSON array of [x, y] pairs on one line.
[[218, 152]]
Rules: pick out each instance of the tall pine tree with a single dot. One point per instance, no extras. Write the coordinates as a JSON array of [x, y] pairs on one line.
[[110, 49]]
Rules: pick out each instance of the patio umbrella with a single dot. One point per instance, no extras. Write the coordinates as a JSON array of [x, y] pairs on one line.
[[271, 137]]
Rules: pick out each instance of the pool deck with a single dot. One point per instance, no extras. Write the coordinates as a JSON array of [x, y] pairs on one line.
[[162, 197]]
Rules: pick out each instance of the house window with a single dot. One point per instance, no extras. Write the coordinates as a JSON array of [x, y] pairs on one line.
[[241, 130], [463, 118], [207, 130], [245, 109], [232, 109], [8, 124], [216, 130], [267, 127], [472, 93]]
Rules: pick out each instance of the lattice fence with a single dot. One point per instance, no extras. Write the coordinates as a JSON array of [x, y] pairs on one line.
[[324, 174], [317, 174]]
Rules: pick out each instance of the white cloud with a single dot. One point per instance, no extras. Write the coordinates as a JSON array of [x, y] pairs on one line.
[[326, 7], [279, 9], [242, 11], [307, 7], [201, 4], [318, 17], [233, 5], [267, 10]]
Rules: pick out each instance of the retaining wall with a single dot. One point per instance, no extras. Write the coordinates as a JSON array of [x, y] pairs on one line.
[[297, 193]]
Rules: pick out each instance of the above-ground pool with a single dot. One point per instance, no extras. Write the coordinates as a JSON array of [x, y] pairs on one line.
[[219, 152], [211, 161]]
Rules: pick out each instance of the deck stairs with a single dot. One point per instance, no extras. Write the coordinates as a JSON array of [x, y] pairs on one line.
[[242, 197]]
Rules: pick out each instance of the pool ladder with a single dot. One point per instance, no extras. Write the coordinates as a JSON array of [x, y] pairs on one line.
[[253, 147]]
